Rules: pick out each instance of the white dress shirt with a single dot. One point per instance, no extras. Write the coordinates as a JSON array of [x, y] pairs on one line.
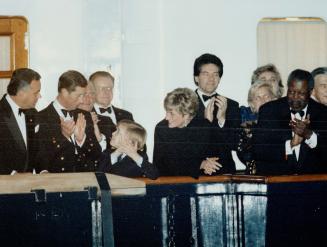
[[106, 114]]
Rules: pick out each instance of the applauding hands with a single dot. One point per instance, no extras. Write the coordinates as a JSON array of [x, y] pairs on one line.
[[301, 130]]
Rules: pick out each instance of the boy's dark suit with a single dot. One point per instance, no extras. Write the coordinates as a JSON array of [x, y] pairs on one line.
[[226, 137], [14, 155], [127, 167], [272, 132], [57, 153]]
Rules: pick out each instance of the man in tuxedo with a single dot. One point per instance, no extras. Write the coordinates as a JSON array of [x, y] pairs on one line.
[[108, 114], [66, 133], [17, 122], [222, 112], [319, 92], [291, 134]]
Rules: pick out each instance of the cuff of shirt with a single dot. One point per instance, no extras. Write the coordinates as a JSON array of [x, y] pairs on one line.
[[288, 148], [114, 158], [312, 141], [139, 162], [221, 124], [82, 142], [103, 142]]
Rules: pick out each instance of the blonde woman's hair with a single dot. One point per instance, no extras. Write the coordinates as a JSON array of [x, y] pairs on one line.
[[269, 68], [256, 86], [183, 100]]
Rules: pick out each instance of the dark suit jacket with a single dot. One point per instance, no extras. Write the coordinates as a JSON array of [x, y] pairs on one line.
[[226, 137], [272, 132], [14, 154], [127, 166], [180, 151], [56, 153]]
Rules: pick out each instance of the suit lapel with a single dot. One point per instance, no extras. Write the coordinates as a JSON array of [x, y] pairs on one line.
[[12, 125], [53, 115], [118, 114], [285, 116], [304, 149], [201, 105]]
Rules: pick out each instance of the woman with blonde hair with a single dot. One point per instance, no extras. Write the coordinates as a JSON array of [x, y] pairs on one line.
[[182, 143], [260, 93], [269, 73]]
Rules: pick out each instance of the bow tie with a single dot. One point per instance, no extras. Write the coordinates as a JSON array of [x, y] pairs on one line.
[[205, 97], [65, 112], [301, 112], [20, 111], [103, 110]]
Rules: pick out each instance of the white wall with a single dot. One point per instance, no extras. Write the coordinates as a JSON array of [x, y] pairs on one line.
[[150, 45]]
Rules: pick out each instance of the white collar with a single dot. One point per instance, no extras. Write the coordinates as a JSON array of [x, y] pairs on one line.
[[58, 107], [12, 104], [200, 92], [305, 109], [97, 107]]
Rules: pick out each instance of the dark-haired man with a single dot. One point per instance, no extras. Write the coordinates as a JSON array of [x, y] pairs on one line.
[[291, 133], [66, 133], [222, 112], [17, 122]]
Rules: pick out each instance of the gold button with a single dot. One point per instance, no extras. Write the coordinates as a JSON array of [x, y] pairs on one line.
[[58, 146], [63, 168], [62, 158]]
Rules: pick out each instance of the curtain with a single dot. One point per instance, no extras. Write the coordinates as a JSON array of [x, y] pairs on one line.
[[292, 43]]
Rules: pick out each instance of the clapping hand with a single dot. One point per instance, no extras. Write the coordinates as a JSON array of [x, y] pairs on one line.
[[208, 112], [221, 102], [79, 129], [301, 127], [67, 127], [95, 120]]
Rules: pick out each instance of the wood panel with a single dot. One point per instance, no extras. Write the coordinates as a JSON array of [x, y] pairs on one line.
[[237, 179], [53, 182], [16, 27]]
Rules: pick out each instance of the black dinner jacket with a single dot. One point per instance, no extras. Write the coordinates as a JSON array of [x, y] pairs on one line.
[[226, 137], [14, 154], [272, 132], [56, 152], [127, 167], [233, 119], [180, 151]]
